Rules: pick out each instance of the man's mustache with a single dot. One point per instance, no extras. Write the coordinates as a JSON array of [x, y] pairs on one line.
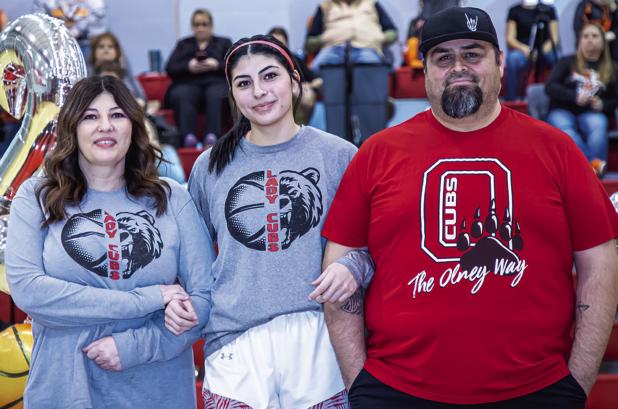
[[458, 76]]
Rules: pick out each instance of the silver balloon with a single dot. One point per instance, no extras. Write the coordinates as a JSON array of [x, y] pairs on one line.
[[614, 199], [39, 62]]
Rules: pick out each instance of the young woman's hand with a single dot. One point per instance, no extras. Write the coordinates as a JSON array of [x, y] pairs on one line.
[[104, 353], [180, 316], [173, 292], [335, 284]]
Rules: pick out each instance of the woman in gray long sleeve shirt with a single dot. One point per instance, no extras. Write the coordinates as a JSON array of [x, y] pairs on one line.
[[93, 254]]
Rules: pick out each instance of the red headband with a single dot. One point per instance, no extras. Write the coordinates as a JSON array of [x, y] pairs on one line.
[[268, 43]]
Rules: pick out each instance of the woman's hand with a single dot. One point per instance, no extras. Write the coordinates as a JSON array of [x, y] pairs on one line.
[[173, 292], [596, 103], [180, 316], [196, 66], [582, 99], [104, 353], [211, 64], [335, 284]]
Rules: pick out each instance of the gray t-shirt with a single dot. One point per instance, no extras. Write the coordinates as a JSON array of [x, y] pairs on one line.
[[266, 211], [97, 273]]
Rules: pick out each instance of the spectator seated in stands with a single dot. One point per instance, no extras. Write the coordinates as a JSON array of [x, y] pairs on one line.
[[428, 8], [526, 44], [311, 82], [170, 166], [106, 49], [603, 13], [196, 70], [84, 19], [583, 90], [362, 23]]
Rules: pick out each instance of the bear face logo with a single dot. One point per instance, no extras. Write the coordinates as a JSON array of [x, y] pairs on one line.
[[112, 246], [269, 211]]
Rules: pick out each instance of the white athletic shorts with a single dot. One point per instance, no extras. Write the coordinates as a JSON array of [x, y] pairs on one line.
[[286, 363]]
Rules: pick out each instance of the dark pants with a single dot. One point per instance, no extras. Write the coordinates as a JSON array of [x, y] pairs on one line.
[[367, 392], [187, 99]]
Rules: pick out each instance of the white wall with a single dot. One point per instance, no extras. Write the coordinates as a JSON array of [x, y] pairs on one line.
[[142, 25]]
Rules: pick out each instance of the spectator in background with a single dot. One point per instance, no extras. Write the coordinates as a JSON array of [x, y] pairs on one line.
[[170, 166], [583, 91], [362, 23], [603, 13], [521, 31], [196, 69], [311, 82], [428, 8], [106, 49], [84, 18]]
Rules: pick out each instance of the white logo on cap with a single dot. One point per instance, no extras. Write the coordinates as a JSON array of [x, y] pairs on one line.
[[471, 22]]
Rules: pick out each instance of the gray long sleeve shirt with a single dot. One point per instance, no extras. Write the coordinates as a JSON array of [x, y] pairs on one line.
[[96, 274], [266, 211]]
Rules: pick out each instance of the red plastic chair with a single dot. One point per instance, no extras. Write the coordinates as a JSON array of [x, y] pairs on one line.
[[198, 393], [198, 353], [187, 158], [611, 353], [409, 83], [604, 394], [155, 85]]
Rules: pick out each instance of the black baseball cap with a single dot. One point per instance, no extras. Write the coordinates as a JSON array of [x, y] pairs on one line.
[[455, 23]]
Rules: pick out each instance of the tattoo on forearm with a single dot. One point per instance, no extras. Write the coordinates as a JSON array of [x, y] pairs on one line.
[[354, 304], [582, 307]]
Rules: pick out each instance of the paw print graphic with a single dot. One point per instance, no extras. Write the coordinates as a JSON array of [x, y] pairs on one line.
[[488, 241]]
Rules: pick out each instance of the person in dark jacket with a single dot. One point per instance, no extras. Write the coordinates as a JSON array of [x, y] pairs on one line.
[[583, 92], [196, 69]]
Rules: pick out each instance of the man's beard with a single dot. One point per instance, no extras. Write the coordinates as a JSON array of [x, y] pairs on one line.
[[462, 101]]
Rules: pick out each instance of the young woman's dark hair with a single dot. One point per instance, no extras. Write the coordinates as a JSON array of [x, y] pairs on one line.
[[223, 151], [65, 184]]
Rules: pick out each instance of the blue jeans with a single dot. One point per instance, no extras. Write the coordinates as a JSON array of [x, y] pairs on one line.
[[588, 130], [336, 53], [516, 65]]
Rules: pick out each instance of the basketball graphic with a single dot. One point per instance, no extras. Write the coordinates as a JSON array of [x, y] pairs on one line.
[[112, 245], [269, 210], [244, 208], [82, 236], [15, 350]]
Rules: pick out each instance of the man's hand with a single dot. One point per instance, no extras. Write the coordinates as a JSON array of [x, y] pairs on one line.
[[180, 316], [595, 310], [104, 353], [335, 285], [173, 292]]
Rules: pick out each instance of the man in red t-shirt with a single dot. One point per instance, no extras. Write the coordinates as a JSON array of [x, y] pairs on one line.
[[474, 215]]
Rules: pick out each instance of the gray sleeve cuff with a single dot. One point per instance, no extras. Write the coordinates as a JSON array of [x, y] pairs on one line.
[[361, 266], [150, 298], [126, 346]]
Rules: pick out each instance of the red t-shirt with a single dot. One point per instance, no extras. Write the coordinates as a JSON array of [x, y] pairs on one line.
[[473, 236]]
